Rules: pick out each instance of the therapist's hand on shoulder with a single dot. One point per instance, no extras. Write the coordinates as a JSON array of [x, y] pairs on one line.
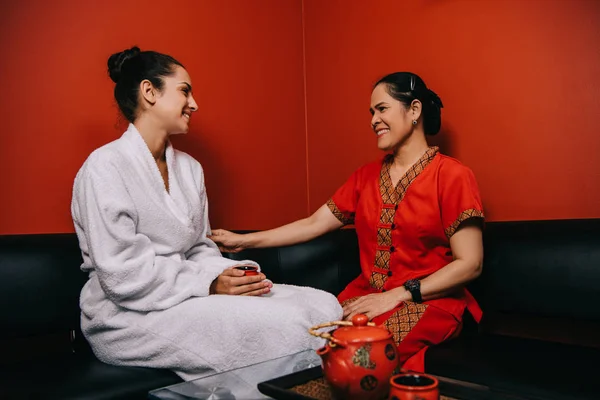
[[227, 241], [233, 282]]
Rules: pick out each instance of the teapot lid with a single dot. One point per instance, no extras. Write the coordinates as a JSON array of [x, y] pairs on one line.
[[361, 332]]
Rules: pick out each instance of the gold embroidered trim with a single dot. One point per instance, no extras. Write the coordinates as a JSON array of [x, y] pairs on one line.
[[404, 320], [465, 215], [382, 259], [391, 195], [384, 235], [387, 215], [377, 280], [338, 214]]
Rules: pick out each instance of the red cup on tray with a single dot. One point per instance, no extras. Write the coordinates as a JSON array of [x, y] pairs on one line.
[[413, 386], [249, 270]]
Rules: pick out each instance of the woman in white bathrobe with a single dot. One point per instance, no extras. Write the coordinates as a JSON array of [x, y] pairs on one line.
[[159, 292]]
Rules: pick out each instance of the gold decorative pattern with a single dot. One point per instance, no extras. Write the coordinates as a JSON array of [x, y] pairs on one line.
[[385, 183], [465, 215], [316, 389], [377, 280], [387, 215], [382, 259], [384, 235], [362, 357], [338, 214], [404, 320]]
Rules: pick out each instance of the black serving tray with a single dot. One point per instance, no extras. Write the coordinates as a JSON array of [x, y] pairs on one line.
[[279, 388]]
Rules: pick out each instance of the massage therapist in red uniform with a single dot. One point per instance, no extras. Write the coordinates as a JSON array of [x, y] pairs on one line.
[[418, 217]]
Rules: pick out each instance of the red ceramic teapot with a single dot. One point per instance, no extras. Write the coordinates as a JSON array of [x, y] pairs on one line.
[[358, 359]]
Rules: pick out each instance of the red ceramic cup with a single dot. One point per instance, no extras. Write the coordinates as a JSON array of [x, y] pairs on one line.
[[413, 386], [249, 270]]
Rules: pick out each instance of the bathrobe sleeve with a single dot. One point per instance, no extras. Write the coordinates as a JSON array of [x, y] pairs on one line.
[[130, 272]]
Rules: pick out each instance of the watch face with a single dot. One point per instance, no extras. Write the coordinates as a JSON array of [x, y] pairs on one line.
[[412, 284]]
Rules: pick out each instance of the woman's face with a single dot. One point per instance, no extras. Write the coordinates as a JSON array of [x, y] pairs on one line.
[[392, 122], [175, 103]]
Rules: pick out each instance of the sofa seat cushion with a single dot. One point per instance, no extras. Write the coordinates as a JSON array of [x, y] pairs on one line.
[[70, 377], [527, 367]]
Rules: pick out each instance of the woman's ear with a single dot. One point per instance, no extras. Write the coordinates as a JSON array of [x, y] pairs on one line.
[[416, 108], [148, 92]]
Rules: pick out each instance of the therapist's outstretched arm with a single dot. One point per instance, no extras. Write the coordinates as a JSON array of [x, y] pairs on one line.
[[321, 222]]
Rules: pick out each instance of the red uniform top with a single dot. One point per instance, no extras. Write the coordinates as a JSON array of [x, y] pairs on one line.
[[404, 232]]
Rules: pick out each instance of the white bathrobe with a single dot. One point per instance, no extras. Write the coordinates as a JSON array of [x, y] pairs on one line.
[[150, 266]]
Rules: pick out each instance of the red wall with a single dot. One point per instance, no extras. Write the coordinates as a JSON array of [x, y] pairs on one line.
[[520, 82], [245, 59]]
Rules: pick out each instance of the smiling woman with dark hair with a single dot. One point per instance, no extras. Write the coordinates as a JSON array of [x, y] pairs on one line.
[[418, 218], [159, 292]]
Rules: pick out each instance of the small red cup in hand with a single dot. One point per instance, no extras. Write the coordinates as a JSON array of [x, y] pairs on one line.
[[249, 270]]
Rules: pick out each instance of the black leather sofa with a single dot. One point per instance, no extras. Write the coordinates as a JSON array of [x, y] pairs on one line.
[[539, 291]]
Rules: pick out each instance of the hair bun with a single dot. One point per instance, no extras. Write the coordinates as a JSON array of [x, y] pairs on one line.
[[116, 61], [435, 99]]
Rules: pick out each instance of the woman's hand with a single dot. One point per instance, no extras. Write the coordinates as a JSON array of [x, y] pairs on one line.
[[227, 241], [233, 282], [373, 305]]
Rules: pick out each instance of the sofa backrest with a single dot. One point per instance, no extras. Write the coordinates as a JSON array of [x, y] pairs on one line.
[[531, 268], [40, 277], [40, 281], [542, 268]]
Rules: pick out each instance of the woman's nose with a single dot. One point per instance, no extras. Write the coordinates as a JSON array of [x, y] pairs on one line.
[[375, 121], [192, 104]]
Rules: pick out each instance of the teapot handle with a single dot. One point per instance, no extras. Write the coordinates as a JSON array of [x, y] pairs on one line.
[[327, 336]]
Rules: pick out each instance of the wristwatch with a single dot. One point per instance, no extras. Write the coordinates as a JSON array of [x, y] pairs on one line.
[[414, 287]]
